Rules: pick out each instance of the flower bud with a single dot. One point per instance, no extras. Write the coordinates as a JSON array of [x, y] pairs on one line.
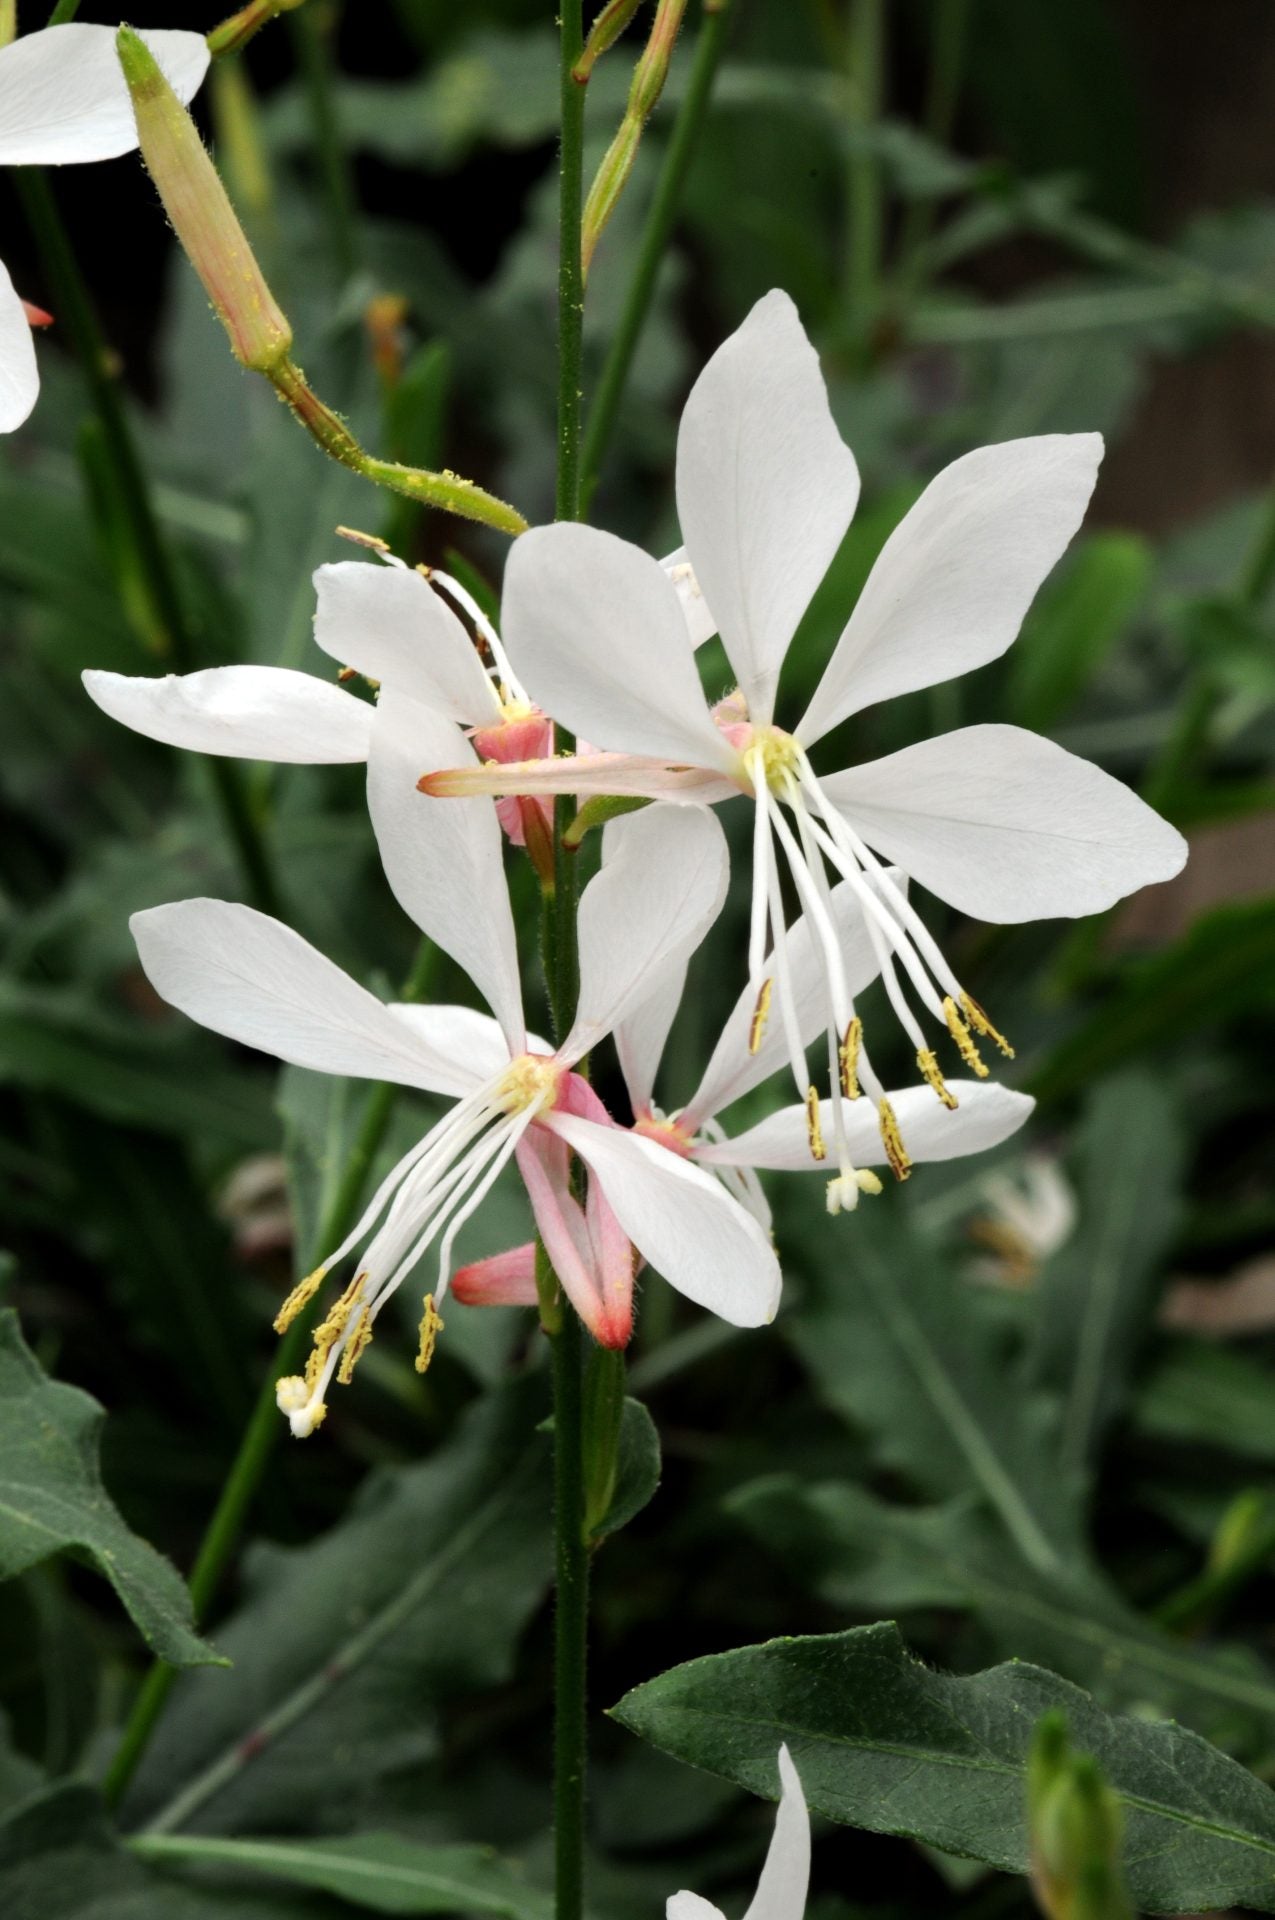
[[201, 213], [648, 83], [604, 33], [239, 29], [1075, 1826]]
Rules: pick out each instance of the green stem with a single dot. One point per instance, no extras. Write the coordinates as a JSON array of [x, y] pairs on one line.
[[75, 309], [310, 38], [570, 269], [865, 62], [65, 10], [264, 1424], [654, 241]]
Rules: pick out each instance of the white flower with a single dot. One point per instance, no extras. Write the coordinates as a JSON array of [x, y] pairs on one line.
[[785, 1877], [63, 99], [255, 980], [1000, 823]]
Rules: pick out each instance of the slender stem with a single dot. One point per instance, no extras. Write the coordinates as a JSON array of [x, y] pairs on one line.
[[172, 627], [570, 270], [654, 241], [264, 1424], [65, 10], [310, 38], [865, 61]]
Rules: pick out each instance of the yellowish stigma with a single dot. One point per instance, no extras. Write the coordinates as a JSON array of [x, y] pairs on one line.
[[301, 1296], [431, 1327], [981, 1024], [761, 1014], [844, 1191], [774, 754], [848, 1055], [892, 1140], [814, 1130], [355, 1347], [964, 1038], [930, 1073], [532, 1081]]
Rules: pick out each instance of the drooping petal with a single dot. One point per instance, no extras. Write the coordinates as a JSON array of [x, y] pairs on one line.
[[785, 1877], [19, 374], [595, 632], [953, 581], [766, 488], [256, 981], [627, 774], [63, 97], [681, 1220], [701, 622], [659, 890], [986, 1114], [388, 624], [250, 713], [444, 858], [1007, 826], [732, 1069], [501, 1280]]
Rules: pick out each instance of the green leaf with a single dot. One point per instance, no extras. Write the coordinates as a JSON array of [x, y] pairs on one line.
[[637, 1474], [904, 1351], [1223, 966], [378, 1870], [886, 1743], [1096, 1297], [866, 1557], [347, 1650], [52, 1498], [1074, 626], [1203, 1395]]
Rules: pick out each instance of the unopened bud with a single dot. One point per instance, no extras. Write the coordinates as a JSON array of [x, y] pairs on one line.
[[1075, 1828], [604, 33], [201, 213], [239, 29], [648, 83]]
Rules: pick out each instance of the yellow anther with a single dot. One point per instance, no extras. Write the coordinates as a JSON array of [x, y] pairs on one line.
[[892, 1140], [761, 1013], [930, 1073], [964, 1038], [813, 1129], [848, 1054], [981, 1024], [355, 1347], [329, 1331], [301, 1296], [372, 541], [431, 1327]]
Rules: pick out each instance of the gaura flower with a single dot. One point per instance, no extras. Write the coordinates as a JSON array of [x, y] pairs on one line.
[[1000, 823], [793, 1140], [256, 981], [62, 100], [785, 1876]]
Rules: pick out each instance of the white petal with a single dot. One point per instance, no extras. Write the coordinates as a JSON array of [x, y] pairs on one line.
[[681, 1220], [953, 581], [701, 622], [596, 635], [63, 96], [388, 624], [766, 488], [19, 374], [647, 908], [1008, 826], [691, 1906], [472, 1042], [785, 1878], [252, 713], [255, 980], [987, 1114], [641, 1035], [732, 1070], [444, 858]]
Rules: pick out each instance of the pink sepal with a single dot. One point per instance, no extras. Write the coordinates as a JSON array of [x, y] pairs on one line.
[[501, 1280], [590, 1254]]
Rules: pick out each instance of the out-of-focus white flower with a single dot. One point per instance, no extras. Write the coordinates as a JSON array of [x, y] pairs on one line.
[[63, 100], [1031, 1214]]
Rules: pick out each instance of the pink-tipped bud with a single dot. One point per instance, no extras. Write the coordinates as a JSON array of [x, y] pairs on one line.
[[501, 1280], [201, 213]]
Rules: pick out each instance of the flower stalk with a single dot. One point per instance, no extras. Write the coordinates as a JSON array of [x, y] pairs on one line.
[[235, 33], [604, 33], [648, 83], [259, 332]]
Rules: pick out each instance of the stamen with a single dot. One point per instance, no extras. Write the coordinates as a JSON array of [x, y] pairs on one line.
[[355, 1347], [892, 1140], [761, 1014], [930, 1073], [981, 1024], [431, 1327], [814, 1130], [466, 601], [301, 1296], [758, 911], [964, 1038], [848, 1057]]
